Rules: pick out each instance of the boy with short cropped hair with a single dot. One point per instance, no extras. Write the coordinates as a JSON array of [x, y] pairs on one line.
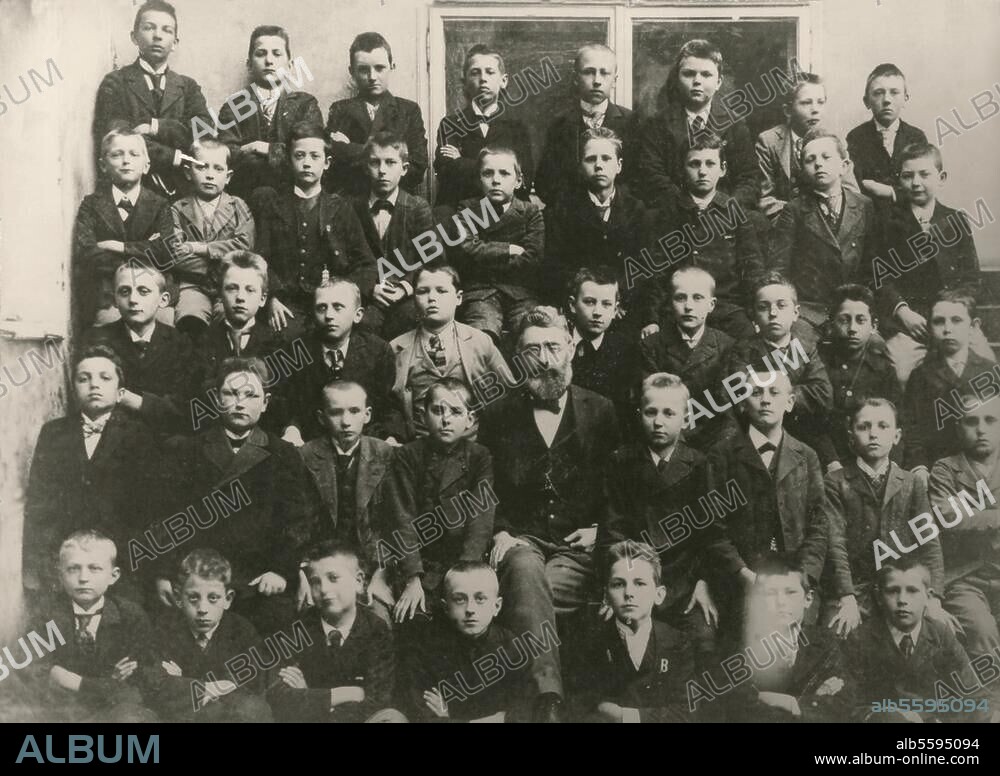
[[258, 143], [347, 673], [875, 145], [92, 675], [462, 136], [827, 235], [208, 224], [151, 99], [121, 220], [189, 679], [441, 347], [353, 122], [501, 263]]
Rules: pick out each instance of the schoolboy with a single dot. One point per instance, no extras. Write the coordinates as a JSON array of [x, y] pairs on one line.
[[875, 145], [347, 671], [691, 111], [104, 641], [339, 350], [463, 135], [258, 143], [906, 286], [160, 370], [827, 235], [121, 220], [352, 122], [208, 224], [441, 347], [306, 232], [637, 667], [97, 467], [501, 263], [392, 219], [441, 668], [856, 362], [152, 99], [595, 70], [949, 367], [717, 238], [189, 679]]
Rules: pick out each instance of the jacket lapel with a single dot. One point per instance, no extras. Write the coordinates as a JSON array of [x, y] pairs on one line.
[[385, 116], [136, 80], [193, 215], [217, 450], [894, 483], [818, 225], [851, 216], [789, 458], [111, 619], [171, 93], [785, 150], [107, 208], [371, 470], [254, 451]]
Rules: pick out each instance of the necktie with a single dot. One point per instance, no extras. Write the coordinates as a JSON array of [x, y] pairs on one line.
[[157, 84], [236, 444], [690, 342], [202, 641], [92, 428], [767, 452], [584, 349], [830, 212], [372, 110], [335, 360], [603, 209], [333, 641], [925, 223], [593, 120], [83, 637], [549, 405], [697, 125], [344, 464], [906, 646], [142, 346], [236, 341], [382, 204], [661, 465], [887, 140], [126, 204], [437, 351]]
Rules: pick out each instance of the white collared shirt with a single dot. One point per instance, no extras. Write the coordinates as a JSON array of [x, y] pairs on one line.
[[897, 635], [147, 337], [957, 362], [484, 126], [704, 113], [603, 207], [703, 202], [91, 442], [231, 437], [268, 99], [596, 342], [888, 134], [636, 643], [548, 422], [244, 332], [117, 195], [337, 449], [208, 636], [833, 202], [593, 115], [923, 215], [692, 340], [383, 217], [342, 348], [870, 472], [657, 457], [155, 77], [302, 195], [344, 630], [758, 439], [95, 621], [208, 207]]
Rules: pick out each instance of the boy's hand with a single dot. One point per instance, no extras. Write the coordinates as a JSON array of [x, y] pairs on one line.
[[502, 543], [65, 679], [293, 677], [914, 323], [387, 295], [378, 588], [582, 538], [611, 712], [410, 601], [340, 695], [834, 466], [256, 147], [450, 152], [303, 599], [936, 612], [605, 612], [131, 401], [876, 189], [171, 668], [339, 137], [848, 618], [703, 598], [748, 577], [293, 436], [112, 246], [124, 668], [515, 250], [165, 592], [649, 330], [269, 583], [143, 129], [183, 250], [393, 442], [780, 700], [434, 702], [278, 314]]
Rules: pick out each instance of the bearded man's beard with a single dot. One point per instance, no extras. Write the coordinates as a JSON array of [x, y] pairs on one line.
[[551, 383]]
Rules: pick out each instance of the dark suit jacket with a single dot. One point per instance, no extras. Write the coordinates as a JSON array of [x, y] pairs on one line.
[[930, 382], [231, 229], [165, 377], [816, 260], [663, 140], [612, 371], [522, 464], [458, 179], [395, 114], [344, 253], [266, 534], [857, 520], [410, 219], [124, 95], [658, 689], [376, 456], [559, 168], [251, 171], [118, 491], [366, 659], [871, 162]]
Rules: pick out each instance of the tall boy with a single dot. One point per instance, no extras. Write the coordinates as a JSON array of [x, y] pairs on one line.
[[151, 99], [501, 263], [259, 142], [374, 109], [875, 146], [347, 672], [692, 110], [305, 232], [595, 72], [907, 286], [208, 224], [462, 136], [121, 220], [392, 219]]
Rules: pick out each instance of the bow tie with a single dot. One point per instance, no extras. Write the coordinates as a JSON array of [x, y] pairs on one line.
[[550, 405], [92, 428], [767, 447], [125, 204], [236, 444], [382, 204]]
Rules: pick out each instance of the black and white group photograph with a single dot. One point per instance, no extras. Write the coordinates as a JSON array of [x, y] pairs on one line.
[[415, 361]]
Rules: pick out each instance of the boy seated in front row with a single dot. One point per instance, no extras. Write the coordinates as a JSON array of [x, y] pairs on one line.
[[441, 347], [189, 679], [350, 468], [904, 658], [208, 224], [392, 219], [856, 362], [635, 668], [347, 671], [784, 343], [693, 350], [872, 500], [827, 235], [160, 370], [440, 669], [950, 369], [908, 285], [717, 239], [806, 680], [121, 220], [103, 640], [341, 350], [433, 475], [502, 262]]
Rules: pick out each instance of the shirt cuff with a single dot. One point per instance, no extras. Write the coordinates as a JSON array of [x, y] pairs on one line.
[[897, 308], [406, 287], [154, 126], [630, 716], [177, 157]]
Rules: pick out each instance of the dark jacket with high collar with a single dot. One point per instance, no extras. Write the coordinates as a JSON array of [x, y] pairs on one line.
[[612, 371], [411, 218], [871, 162]]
